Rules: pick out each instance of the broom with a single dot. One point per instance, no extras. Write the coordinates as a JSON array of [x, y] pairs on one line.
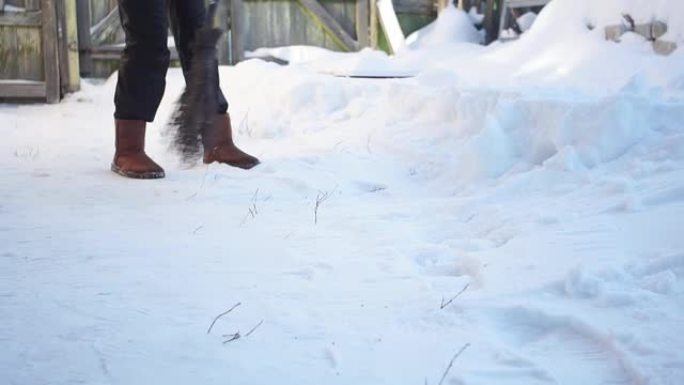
[[196, 108]]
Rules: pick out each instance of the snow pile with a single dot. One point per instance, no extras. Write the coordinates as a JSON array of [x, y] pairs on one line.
[[568, 16], [452, 26], [295, 54], [486, 133], [564, 52], [366, 63], [520, 203], [526, 21]]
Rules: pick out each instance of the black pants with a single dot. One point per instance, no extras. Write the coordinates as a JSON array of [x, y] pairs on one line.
[[145, 59]]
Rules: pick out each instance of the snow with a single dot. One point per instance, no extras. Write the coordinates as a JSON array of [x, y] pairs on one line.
[[452, 26], [526, 21], [524, 198]]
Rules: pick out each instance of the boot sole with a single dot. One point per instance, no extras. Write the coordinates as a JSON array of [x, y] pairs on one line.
[[138, 175], [244, 166]]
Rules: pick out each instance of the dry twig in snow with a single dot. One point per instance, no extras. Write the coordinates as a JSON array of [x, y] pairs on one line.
[[245, 123], [221, 315], [320, 198], [252, 210], [198, 228], [237, 335], [254, 328], [447, 303], [451, 363], [232, 337]]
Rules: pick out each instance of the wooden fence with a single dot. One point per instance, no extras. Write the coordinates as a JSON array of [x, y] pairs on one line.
[[46, 44], [345, 25]]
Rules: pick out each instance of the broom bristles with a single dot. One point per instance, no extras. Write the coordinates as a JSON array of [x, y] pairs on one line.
[[198, 104]]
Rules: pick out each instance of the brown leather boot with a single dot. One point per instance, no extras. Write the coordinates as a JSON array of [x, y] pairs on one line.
[[130, 159], [219, 146]]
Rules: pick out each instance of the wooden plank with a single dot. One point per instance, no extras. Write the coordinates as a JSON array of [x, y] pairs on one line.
[[23, 19], [99, 9], [21, 53], [526, 3], [21, 89], [390, 26], [344, 12], [105, 29], [50, 51], [74, 78], [374, 24], [363, 23], [113, 52], [236, 30], [9, 54], [282, 23], [414, 7], [32, 5], [321, 16], [61, 47], [85, 61]]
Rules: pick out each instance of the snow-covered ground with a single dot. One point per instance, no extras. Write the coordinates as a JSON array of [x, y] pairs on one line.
[[519, 204]]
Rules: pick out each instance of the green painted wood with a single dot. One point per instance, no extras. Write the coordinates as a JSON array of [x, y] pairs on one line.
[[21, 53], [74, 78], [25, 19]]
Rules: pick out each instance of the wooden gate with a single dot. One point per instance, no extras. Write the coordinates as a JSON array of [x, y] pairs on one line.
[[38, 49]]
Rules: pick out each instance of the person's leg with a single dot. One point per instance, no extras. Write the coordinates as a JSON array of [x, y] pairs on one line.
[[187, 17], [140, 84], [144, 61]]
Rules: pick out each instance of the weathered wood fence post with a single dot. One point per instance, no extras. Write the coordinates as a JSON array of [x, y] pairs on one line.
[[50, 51], [223, 15], [363, 33], [236, 31], [68, 46], [84, 43]]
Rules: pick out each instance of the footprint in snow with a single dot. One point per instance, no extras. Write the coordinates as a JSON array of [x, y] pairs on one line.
[[558, 349], [443, 261]]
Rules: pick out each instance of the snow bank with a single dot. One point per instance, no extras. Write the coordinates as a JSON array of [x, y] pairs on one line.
[[485, 133]]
